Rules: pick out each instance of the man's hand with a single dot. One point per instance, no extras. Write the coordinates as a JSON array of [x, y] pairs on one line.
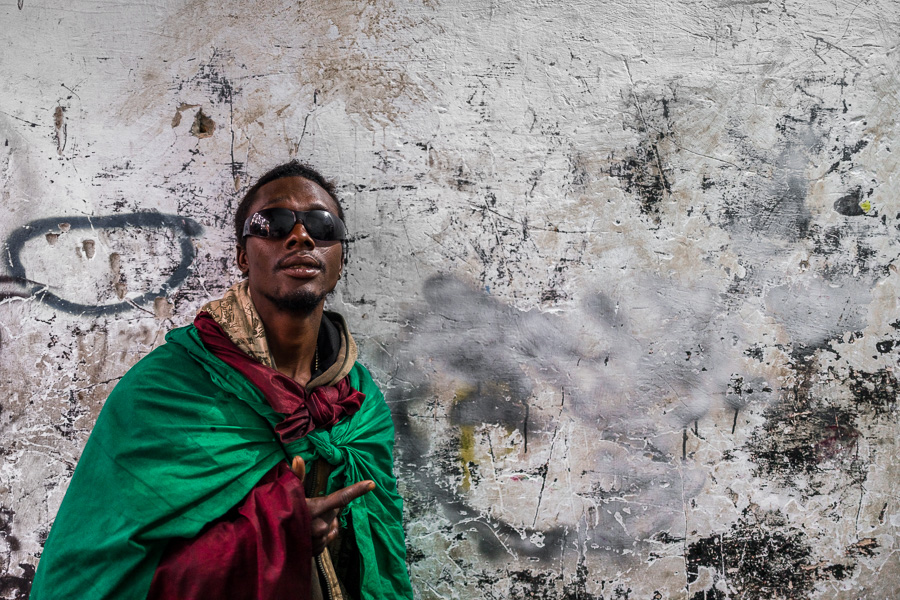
[[324, 511]]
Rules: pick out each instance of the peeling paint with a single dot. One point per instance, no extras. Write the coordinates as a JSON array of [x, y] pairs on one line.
[[203, 126], [59, 124], [627, 275]]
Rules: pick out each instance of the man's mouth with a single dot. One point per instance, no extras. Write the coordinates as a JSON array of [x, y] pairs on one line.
[[300, 266]]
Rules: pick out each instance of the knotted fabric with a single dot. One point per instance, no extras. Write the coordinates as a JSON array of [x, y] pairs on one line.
[[319, 408]]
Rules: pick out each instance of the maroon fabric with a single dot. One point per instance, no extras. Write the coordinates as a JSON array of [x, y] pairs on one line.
[[306, 410], [260, 550]]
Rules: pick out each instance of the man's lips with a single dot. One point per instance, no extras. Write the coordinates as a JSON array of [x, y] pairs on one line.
[[300, 265]]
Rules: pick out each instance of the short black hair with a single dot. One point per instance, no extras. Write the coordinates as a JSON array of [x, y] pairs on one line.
[[293, 168]]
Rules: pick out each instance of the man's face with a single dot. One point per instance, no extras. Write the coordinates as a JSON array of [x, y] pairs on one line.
[[294, 273]]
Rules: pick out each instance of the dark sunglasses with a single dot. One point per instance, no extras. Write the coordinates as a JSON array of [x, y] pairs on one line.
[[277, 223]]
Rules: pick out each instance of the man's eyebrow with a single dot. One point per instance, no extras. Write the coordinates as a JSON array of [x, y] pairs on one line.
[[317, 203]]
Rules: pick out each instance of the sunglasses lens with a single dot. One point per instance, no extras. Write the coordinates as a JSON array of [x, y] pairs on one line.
[[322, 225], [272, 223], [281, 221], [277, 223]]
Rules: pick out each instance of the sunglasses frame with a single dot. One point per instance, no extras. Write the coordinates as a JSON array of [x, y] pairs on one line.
[[264, 218]]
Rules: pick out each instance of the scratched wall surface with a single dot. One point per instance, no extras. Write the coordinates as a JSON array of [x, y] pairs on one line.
[[627, 272]]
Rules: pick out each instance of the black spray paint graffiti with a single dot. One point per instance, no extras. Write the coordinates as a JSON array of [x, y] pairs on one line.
[[21, 282], [183, 227]]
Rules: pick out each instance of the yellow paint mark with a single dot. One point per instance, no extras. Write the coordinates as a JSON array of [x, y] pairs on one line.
[[462, 392], [865, 205], [466, 454], [466, 439]]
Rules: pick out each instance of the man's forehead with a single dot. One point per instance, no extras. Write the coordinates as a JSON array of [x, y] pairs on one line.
[[289, 189]]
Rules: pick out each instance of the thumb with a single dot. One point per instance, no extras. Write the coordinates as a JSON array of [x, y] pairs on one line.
[[299, 467]]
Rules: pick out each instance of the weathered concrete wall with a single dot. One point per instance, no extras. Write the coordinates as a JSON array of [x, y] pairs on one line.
[[626, 271]]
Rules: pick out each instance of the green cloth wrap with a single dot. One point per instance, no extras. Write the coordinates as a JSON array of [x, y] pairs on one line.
[[181, 440]]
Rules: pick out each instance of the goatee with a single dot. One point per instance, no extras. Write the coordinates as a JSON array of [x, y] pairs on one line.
[[300, 302]]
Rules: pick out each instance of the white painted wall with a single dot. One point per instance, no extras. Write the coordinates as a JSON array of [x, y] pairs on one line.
[[627, 272]]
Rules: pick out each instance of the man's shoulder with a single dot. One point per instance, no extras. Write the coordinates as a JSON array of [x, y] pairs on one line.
[[173, 350], [174, 360], [361, 379]]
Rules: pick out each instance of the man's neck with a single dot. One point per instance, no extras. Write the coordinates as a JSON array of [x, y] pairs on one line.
[[292, 338]]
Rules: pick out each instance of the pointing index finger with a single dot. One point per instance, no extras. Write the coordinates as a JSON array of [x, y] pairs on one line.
[[345, 496]]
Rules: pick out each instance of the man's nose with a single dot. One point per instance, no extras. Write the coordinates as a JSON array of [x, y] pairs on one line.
[[299, 236]]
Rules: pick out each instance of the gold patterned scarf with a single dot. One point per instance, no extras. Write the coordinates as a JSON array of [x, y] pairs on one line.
[[237, 316]]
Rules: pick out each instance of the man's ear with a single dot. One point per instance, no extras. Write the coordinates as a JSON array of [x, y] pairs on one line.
[[242, 263]]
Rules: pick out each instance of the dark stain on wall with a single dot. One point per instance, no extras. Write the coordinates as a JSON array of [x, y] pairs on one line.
[[491, 403], [849, 205], [885, 346], [807, 433], [794, 442], [67, 425], [528, 584], [876, 392], [643, 171], [774, 207], [494, 537], [804, 430], [762, 213], [759, 558], [522, 584], [779, 212], [497, 336], [866, 547], [846, 155], [17, 587], [13, 586], [497, 357], [577, 589], [6, 519], [210, 76], [848, 252]]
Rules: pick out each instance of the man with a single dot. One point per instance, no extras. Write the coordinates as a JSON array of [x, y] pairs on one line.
[[193, 483]]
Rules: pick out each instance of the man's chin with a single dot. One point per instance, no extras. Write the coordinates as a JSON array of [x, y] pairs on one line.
[[301, 302]]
